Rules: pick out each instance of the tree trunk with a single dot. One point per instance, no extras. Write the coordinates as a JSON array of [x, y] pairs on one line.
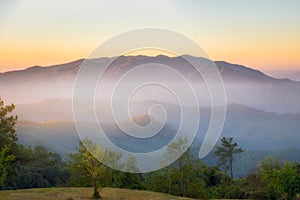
[[169, 179], [96, 193], [181, 178], [230, 165]]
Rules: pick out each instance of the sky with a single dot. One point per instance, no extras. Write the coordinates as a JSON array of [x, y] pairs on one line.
[[262, 34]]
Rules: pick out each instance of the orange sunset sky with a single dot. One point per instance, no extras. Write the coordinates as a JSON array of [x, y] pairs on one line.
[[260, 34]]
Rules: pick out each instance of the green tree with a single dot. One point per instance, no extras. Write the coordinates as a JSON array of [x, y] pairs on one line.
[[156, 181], [184, 177], [109, 176], [225, 153], [277, 177], [8, 121], [5, 160], [173, 150], [36, 168], [289, 180], [8, 139], [182, 173], [85, 165], [130, 179]]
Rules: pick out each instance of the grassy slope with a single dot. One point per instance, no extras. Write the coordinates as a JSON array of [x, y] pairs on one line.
[[83, 193]]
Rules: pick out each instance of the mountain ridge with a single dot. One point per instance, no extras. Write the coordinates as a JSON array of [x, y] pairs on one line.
[[76, 63], [240, 122], [242, 84]]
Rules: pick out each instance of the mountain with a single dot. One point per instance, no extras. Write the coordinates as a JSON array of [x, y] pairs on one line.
[[243, 85], [39, 83], [294, 76], [258, 129], [261, 133], [47, 110], [286, 74], [252, 128], [57, 136], [61, 136], [263, 112]]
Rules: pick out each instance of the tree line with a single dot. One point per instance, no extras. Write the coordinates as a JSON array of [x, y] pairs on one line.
[[25, 167]]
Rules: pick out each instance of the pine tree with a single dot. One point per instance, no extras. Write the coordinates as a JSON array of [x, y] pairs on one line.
[[225, 153]]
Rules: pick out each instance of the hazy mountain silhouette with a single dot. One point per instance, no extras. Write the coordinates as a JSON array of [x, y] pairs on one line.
[[293, 75], [252, 128], [243, 85]]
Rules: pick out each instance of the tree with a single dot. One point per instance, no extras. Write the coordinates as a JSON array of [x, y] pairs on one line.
[[8, 135], [5, 160], [184, 177], [173, 150], [8, 139], [279, 178], [84, 164], [42, 164], [110, 177], [130, 179], [289, 180], [225, 153], [182, 173]]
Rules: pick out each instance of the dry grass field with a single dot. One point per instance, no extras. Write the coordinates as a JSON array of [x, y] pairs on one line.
[[84, 193]]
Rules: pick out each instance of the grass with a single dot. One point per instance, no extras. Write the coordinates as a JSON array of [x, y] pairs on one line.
[[84, 193]]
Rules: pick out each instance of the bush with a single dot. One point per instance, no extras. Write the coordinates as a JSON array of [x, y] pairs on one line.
[[32, 180], [234, 192]]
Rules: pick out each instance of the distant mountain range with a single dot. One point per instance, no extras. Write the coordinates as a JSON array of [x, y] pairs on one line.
[[261, 133], [263, 113], [243, 85], [253, 129], [68, 71]]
